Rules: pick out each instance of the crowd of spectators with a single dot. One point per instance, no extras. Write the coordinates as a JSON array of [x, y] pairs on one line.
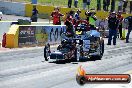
[[122, 5]]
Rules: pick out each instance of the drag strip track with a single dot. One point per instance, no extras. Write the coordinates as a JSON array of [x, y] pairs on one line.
[[26, 69]]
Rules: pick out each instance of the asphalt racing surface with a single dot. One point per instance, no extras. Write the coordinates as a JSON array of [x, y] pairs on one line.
[[26, 68]]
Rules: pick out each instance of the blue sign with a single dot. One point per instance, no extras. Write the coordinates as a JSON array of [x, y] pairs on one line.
[[34, 1]]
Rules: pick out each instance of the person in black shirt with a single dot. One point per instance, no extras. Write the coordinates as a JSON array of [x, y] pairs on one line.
[[69, 3], [34, 16], [113, 25], [98, 5], [130, 6], [112, 5], [129, 20], [104, 5], [107, 5], [125, 5]]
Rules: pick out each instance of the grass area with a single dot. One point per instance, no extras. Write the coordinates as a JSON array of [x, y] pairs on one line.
[[63, 3]]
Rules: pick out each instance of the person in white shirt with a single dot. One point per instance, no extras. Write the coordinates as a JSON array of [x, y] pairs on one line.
[[84, 4], [120, 4]]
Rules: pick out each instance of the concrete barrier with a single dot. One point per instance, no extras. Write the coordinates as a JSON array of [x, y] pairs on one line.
[[12, 37], [33, 35], [45, 11], [14, 8], [4, 27]]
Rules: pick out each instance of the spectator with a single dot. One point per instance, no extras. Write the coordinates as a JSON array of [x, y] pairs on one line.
[[84, 4], [56, 16], [88, 3], [77, 15], [112, 24], [101, 26], [69, 3], [130, 6], [104, 5], [129, 20], [98, 5], [125, 5], [120, 4], [75, 3], [112, 5], [70, 16], [107, 5], [34, 16], [120, 18]]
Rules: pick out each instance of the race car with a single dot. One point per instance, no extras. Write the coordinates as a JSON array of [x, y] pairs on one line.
[[1, 15], [91, 43], [84, 44], [66, 52]]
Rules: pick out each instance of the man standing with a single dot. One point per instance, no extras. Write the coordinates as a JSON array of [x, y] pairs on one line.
[[84, 4], [107, 5], [77, 15], [104, 5], [129, 20], [124, 5], [130, 6], [34, 16], [120, 3], [98, 5], [69, 3], [112, 5], [88, 3], [112, 24], [56, 16], [75, 3], [120, 18]]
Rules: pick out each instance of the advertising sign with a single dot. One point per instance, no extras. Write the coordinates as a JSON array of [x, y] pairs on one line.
[[39, 35], [26, 35]]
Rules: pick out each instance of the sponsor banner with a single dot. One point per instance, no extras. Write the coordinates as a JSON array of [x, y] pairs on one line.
[[26, 35], [39, 35], [54, 33]]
